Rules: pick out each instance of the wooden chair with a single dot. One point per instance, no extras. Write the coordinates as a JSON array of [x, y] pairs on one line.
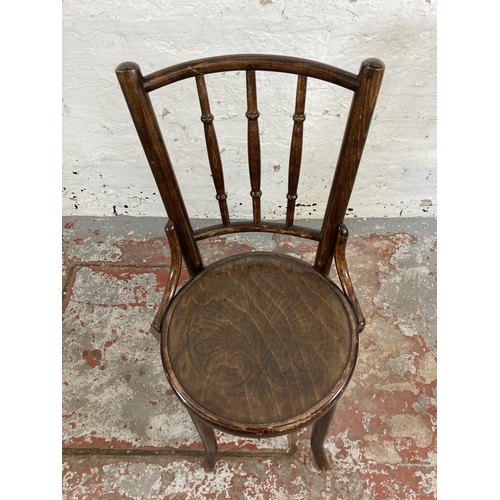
[[257, 344]]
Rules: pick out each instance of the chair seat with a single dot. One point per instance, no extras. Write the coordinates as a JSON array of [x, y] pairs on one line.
[[260, 343]]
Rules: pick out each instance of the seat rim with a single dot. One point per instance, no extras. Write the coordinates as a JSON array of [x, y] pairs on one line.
[[273, 428]]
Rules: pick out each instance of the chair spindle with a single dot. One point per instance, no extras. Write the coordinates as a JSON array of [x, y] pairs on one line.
[[212, 149], [253, 144], [296, 148]]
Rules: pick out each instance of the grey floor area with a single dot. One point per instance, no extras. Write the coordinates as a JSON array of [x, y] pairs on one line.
[[125, 435]]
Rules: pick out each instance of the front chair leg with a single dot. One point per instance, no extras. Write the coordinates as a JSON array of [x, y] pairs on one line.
[[207, 435], [319, 433]]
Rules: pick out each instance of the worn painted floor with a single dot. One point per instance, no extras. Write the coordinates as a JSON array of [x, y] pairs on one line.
[[125, 435]]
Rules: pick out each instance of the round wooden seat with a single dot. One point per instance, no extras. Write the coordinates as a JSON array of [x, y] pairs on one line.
[[259, 343]]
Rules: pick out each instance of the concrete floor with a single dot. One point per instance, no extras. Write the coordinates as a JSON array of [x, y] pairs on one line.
[[125, 435]]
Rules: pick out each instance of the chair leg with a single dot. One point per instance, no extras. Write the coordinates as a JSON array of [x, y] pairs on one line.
[[319, 433], [207, 435]]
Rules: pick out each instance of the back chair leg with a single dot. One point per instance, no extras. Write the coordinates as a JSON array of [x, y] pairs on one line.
[[207, 435], [319, 433]]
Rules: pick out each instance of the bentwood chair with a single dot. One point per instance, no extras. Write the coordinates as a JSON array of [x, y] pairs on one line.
[[257, 344]]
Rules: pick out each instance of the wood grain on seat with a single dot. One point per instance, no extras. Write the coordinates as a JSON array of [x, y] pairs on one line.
[[258, 339]]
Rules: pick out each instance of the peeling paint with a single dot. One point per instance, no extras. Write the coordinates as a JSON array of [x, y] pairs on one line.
[[402, 364], [411, 426], [427, 367], [381, 450], [92, 357], [381, 443], [340, 33]]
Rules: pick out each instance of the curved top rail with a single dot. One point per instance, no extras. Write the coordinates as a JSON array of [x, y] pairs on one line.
[[257, 62]]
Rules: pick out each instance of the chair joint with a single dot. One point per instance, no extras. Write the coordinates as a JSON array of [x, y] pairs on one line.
[[252, 115], [207, 118]]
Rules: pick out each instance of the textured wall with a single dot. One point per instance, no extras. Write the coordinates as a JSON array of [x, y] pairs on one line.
[[104, 168]]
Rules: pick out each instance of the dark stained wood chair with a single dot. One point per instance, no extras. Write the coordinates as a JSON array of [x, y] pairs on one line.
[[257, 344]]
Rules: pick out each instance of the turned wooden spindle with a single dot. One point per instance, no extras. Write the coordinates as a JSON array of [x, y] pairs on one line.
[[296, 148], [212, 149], [253, 144]]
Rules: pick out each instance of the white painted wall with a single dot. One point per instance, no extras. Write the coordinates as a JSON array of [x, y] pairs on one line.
[[104, 167]]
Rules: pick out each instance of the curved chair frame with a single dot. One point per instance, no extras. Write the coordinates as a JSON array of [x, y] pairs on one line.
[[331, 238]]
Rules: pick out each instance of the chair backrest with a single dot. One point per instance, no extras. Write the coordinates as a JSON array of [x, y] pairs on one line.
[[365, 86]]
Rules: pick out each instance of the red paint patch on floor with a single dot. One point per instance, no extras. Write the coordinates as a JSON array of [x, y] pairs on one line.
[[97, 442], [399, 483], [154, 251], [361, 412], [92, 357]]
